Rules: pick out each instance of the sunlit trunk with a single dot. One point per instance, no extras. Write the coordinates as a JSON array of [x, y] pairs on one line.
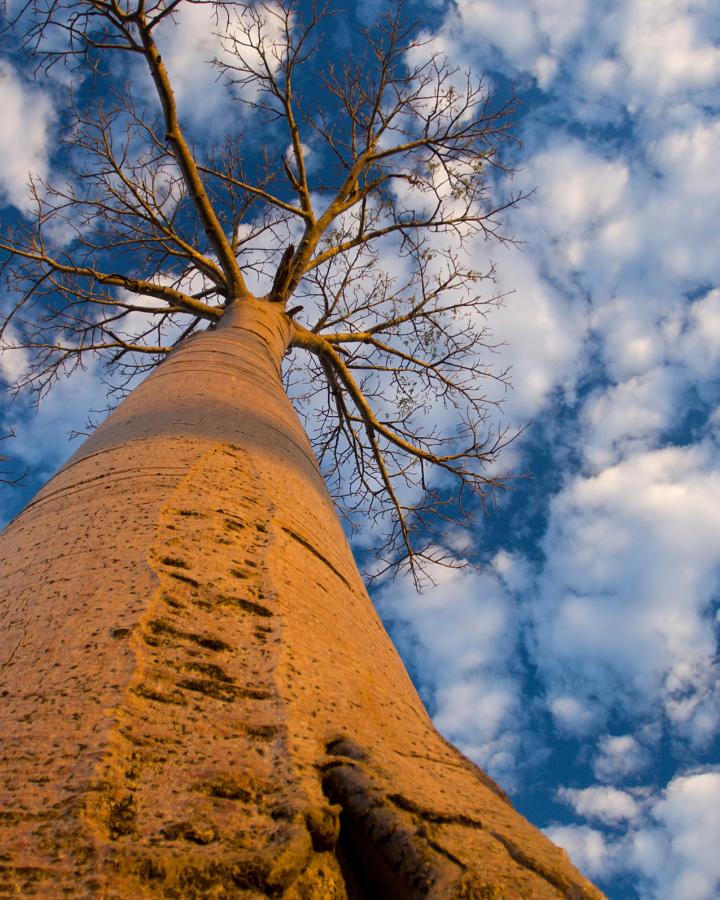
[[198, 698]]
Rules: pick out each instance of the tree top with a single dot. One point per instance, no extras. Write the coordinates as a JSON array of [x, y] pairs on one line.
[[356, 188]]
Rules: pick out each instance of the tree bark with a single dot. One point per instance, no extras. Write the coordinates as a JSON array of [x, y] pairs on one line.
[[198, 698]]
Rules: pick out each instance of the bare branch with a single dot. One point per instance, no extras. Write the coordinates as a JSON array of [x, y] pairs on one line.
[[358, 192]]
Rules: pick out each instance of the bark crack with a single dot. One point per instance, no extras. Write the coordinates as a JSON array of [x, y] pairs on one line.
[[435, 817], [569, 890], [315, 552]]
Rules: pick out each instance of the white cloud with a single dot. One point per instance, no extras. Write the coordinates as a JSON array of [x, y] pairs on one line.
[[621, 230], [622, 621], [631, 328], [670, 840], [677, 213], [577, 188], [530, 36], [199, 35], [27, 114], [619, 757], [639, 52], [460, 635], [659, 356], [514, 570], [14, 359], [573, 714], [688, 836], [508, 26], [700, 345], [606, 804], [667, 46], [629, 417], [43, 435], [589, 849], [540, 331]]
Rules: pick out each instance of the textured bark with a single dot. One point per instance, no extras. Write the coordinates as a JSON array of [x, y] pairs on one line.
[[198, 698]]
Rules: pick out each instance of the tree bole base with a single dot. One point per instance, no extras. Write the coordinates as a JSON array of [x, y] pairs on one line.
[[199, 699]]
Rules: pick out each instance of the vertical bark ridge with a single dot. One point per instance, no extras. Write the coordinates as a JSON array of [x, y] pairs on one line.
[[198, 792]]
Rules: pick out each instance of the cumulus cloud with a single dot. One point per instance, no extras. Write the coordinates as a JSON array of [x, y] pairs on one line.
[[43, 434], [606, 804], [14, 359], [668, 47], [200, 41], [577, 188], [679, 857], [670, 840], [619, 757], [629, 417], [27, 118], [678, 210], [572, 714], [529, 36], [699, 345], [623, 617], [636, 52], [589, 849], [622, 614], [460, 638], [539, 331]]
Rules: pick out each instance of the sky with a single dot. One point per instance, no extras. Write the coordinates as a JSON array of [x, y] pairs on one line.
[[578, 663]]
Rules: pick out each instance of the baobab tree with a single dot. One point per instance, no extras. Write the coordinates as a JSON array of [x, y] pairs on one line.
[[198, 697]]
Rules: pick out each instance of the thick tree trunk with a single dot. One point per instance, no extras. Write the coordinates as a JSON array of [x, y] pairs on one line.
[[198, 698]]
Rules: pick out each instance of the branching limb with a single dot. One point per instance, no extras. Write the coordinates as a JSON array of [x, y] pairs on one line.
[[361, 193], [184, 156], [51, 266]]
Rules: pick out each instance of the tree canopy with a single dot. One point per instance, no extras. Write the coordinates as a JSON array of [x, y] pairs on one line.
[[354, 189]]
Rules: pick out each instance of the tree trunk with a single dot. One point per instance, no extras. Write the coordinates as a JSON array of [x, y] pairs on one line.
[[198, 698]]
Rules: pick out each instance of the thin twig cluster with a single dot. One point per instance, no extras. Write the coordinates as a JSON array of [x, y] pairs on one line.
[[359, 209]]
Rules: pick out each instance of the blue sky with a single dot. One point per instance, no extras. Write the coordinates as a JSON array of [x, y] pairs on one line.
[[578, 664]]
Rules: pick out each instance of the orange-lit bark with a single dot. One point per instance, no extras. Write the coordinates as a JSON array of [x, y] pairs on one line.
[[198, 698]]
